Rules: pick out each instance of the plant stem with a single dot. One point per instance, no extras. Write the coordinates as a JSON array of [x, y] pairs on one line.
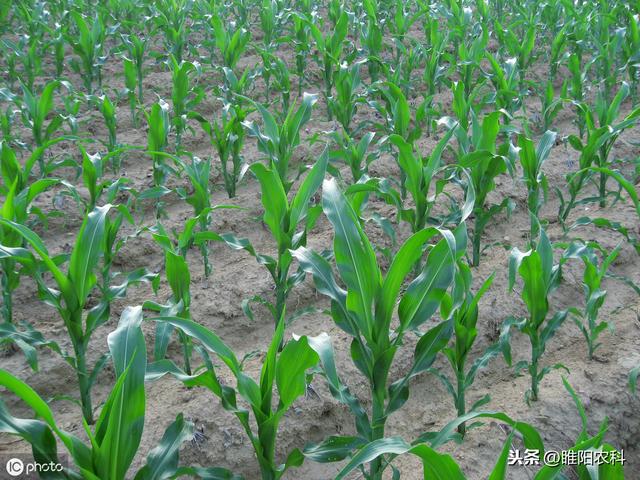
[[83, 380], [7, 302], [377, 431], [603, 189], [460, 398], [477, 234]]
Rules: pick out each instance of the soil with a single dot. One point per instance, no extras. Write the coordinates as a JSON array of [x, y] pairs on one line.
[[601, 384]]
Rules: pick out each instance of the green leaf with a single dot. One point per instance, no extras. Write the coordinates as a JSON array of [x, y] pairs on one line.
[[162, 461], [293, 362], [119, 428]]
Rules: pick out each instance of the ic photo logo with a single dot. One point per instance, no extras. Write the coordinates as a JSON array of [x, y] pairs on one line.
[[26, 468], [15, 467]]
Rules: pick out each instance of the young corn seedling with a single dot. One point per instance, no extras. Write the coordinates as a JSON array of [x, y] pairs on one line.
[[550, 106], [283, 370], [115, 440], [278, 142], [461, 308], [506, 80], [330, 47], [157, 142], [302, 41], [372, 38], [522, 47], [200, 199], [130, 82], [365, 309], [136, 48], [420, 180], [288, 222], [73, 292], [227, 137], [170, 19], [469, 62], [179, 279], [184, 96], [344, 104], [540, 278], [18, 196], [484, 165], [231, 42], [532, 158], [587, 318], [88, 44], [108, 111], [586, 442], [577, 86], [270, 18], [72, 104], [400, 24], [603, 129], [355, 154], [39, 116], [276, 68]]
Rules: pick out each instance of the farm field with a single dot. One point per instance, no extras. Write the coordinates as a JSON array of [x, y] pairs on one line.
[[320, 240]]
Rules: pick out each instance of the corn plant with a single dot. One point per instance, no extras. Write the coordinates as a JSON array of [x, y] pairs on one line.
[[278, 142], [364, 310], [130, 81], [462, 310], [72, 105], [371, 37], [484, 164], [355, 155], [93, 167], [184, 96], [170, 19], [469, 58], [540, 278], [19, 195], [577, 86], [108, 111], [400, 24], [550, 106], [284, 370], [349, 93], [88, 44], [231, 42], [506, 79], [179, 279], [434, 70], [275, 68], [521, 47], [136, 48], [288, 222], [227, 137], [302, 42], [587, 442], [115, 440], [532, 158], [39, 116], [603, 129], [73, 292], [157, 143], [330, 47], [200, 199], [587, 318], [420, 178]]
